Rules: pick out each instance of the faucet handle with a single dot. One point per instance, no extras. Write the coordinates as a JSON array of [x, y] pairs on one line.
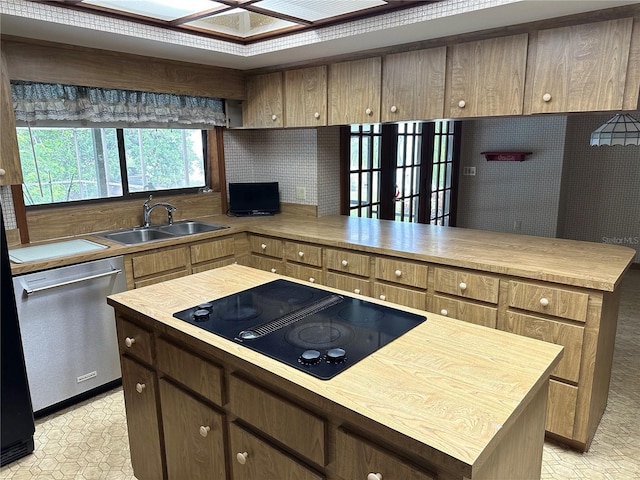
[[146, 202]]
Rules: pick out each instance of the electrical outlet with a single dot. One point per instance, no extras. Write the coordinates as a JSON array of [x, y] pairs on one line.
[[301, 193], [469, 171], [517, 225]]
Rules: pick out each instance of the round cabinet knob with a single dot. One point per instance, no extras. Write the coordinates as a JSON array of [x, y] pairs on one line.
[[394, 109], [368, 111], [140, 387], [273, 270], [129, 342], [398, 273], [544, 301], [241, 457], [312, 280], [344, 263], [546, 97], [316, 115], [301, 254], [356, 291], [463, 286], [444, 312], [274, 117], [374, 476], [2, 172], [383, 297], [263, 246], [204, 430], [462, 104]]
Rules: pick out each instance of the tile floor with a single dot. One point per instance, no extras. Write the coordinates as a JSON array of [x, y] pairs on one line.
[[89, 441]]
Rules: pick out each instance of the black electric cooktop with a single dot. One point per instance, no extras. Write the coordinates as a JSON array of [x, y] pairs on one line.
[[313, 330]]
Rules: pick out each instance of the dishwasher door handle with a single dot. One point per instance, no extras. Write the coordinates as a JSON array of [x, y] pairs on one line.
[[30, 291]]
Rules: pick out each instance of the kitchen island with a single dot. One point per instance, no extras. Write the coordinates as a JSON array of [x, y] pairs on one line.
[[446, 400]]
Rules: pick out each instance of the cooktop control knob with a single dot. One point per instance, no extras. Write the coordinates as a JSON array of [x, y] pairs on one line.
[[201, 315], [309, 357], [336, 355], [205, 306]]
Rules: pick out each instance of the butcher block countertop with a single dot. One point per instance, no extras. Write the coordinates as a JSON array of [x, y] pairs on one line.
[[453, 388], [569, 262]]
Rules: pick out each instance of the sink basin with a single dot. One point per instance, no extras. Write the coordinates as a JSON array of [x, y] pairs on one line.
[[135, 235]]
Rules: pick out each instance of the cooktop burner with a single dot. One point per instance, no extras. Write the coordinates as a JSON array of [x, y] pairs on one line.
[[313, 330]]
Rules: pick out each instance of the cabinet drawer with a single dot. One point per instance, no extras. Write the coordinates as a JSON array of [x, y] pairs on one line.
[[398, 271], [347, 262], [160, 261], [356, 458], [192, 371], [266, 246], [253, 458], [160, 278], [466, 311], [267, 264], [211, 265], [348, 284], [569, 336], [313, 275], [286, 422], [399, 295], [203, 252], [134, 340], [468, 285], [303, 253], [561, 408], [550, 300]]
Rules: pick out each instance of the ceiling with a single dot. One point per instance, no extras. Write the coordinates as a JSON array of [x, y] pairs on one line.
[[319, 32]]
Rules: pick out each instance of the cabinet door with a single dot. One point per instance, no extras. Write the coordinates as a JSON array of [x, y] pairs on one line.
[[354, 91], [263, 107], [193, 436], [139, 388], [413, 85], [306, 97], [10, 168], [581, 68], [486, 77]]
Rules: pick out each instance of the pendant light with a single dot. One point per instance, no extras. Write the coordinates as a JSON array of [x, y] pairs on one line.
[[622, 129]]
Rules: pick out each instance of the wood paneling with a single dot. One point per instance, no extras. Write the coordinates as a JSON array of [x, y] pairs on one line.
[[264, 107], [354, 90], [561, 408], [10, 168], [306, 97]]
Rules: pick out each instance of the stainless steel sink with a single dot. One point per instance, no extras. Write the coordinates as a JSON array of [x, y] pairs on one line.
[[132, 236]]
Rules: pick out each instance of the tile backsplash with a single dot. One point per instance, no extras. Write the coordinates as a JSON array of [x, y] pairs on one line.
[[8, 211]]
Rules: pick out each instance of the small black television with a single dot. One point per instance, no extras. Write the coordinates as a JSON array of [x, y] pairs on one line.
[[257, 198]]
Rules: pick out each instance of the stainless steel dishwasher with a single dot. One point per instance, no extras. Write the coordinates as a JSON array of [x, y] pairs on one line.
[[68, 330]]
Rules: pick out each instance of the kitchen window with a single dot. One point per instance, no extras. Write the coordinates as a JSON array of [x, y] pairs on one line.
[[67, 164], [403, 171]]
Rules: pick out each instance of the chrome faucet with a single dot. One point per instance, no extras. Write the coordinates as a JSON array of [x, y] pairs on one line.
[[146, 211]]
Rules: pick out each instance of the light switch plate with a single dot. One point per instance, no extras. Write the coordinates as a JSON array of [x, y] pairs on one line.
[[469, 171]]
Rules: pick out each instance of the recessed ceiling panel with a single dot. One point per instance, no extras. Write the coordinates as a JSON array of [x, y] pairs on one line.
[[316, 10], [240, 23], [160, 9]]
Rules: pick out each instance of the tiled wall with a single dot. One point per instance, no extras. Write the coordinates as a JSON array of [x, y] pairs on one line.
[[328, 171], [519, 197], [8, 213]]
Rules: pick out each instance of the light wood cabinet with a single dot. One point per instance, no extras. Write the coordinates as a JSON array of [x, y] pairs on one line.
[[303, 253], [348, 283], [581, 68], [487, 77], [413, 85], [264, 105], [479, 314], [348, 262], [465, 284], [270, 246], [10, 168], [561, 409], [212, 254], [400, 295], [354, 91], [135, 341], [394, 270], [301, 272], [193, 436], [159, 265], [267, 264], [306, 97], [543, 298]]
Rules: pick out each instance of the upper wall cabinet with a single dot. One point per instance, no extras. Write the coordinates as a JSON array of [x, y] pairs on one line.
[[413, 85], [263, 107], [581, 68], [306, 97], [354, 91], [10, 169], [486, 78]]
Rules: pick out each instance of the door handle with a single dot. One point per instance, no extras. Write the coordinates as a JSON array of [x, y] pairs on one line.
[[30, 291]]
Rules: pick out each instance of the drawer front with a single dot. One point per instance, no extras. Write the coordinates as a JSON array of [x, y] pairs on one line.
[[267, 264], [549, 300], [303, 253], [308, 274], [466, 311], [266, 246], [160, 278], [398, 271], [161, 261], [134, 340], [211, 265], [468, 285], [203, 252], [348, 284], [347, 262], [194, 372], [356, 458], [569, 336], [561, 408], [279, 418], [261, 460], [399, 295]]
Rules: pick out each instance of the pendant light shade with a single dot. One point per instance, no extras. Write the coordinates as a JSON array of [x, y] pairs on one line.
[[620, 130]]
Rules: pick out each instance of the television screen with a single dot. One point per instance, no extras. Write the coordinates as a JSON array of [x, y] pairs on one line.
[[258, 198]]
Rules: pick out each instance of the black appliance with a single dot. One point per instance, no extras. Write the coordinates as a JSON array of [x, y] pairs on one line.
[[258, 198], [313, 330], [17, 427]]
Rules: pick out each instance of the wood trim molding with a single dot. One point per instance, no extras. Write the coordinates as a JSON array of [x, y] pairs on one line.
[[21, 212]]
